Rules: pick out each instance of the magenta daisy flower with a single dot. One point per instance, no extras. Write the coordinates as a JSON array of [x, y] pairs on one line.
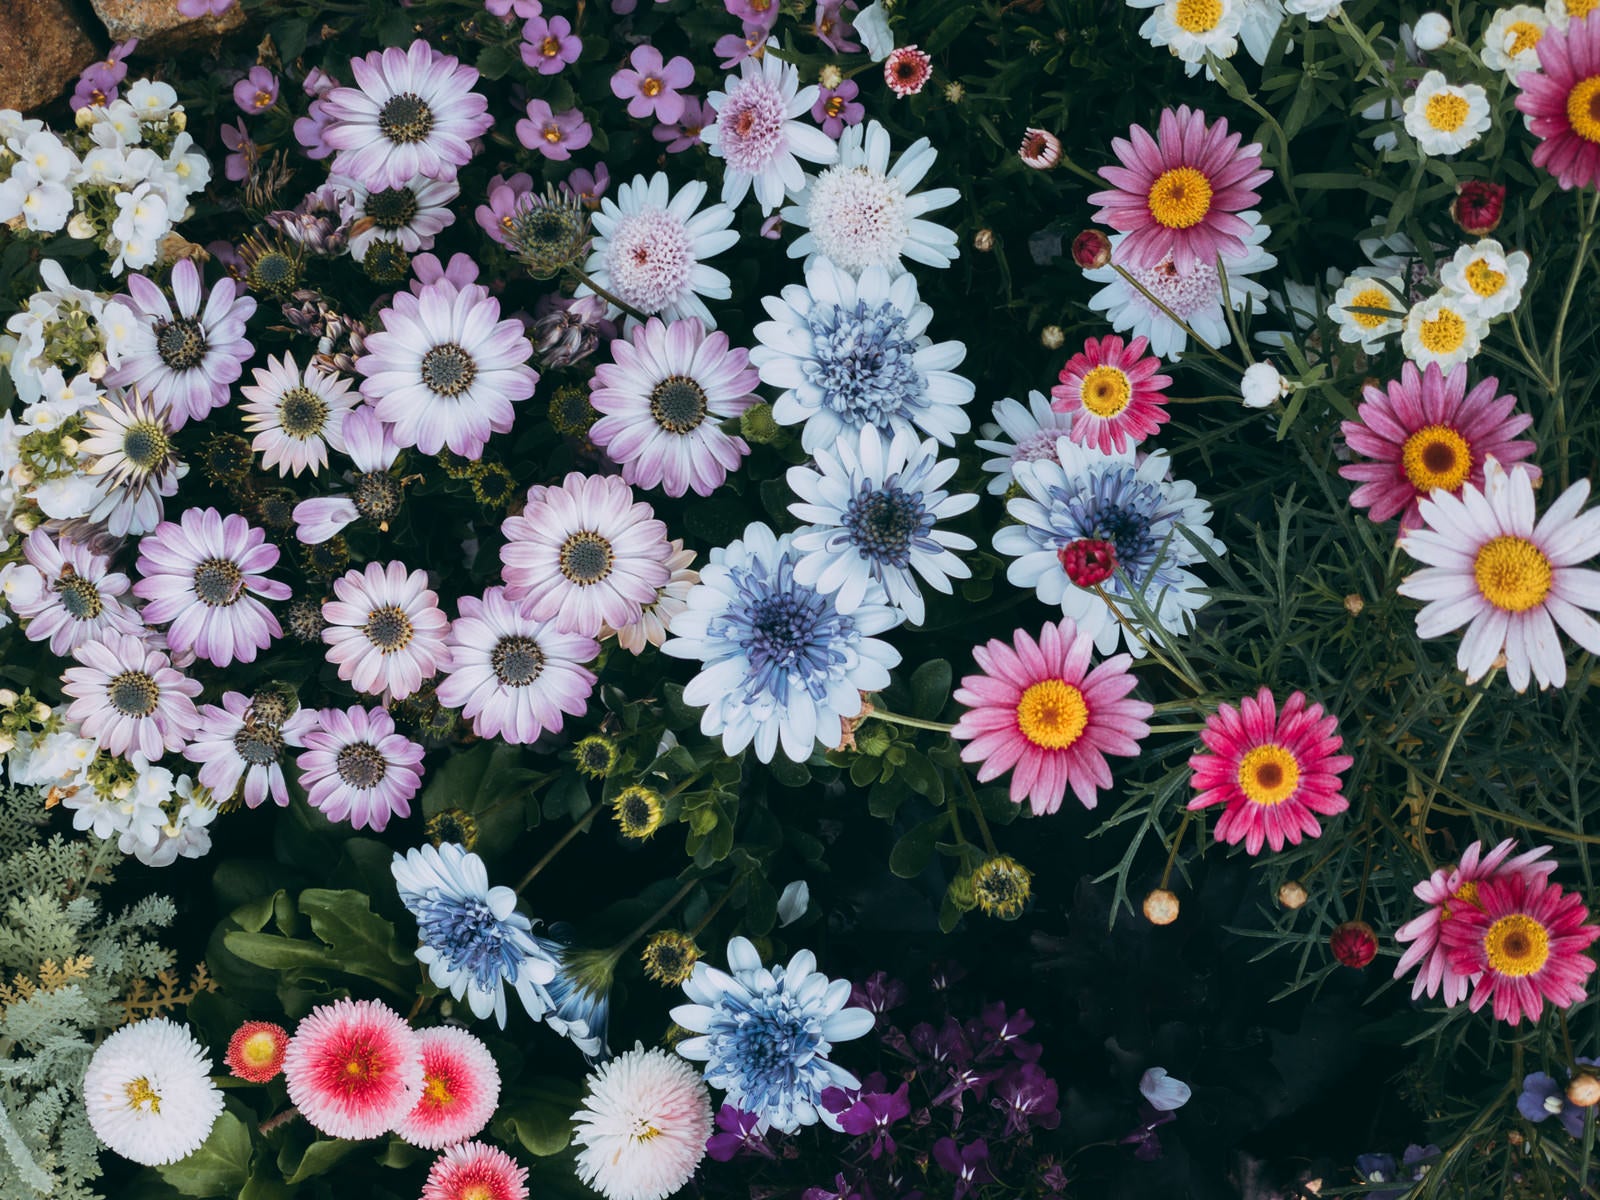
[[1526, 939], [1274, 771], [1446, 892], [77, 597], [474, 1171], [353, 1068], [1039, 712], [128, 697], [1562, 102], [183, 355], [241, 753], [445, 370], [356, 768], [205, 575], [460, 1088], [385, 630], [1113, 393], [1181, 192], [1429, 432], [759, 136], [664, 398], [513, 676], [412, 112], [584, 554], [296, 415]]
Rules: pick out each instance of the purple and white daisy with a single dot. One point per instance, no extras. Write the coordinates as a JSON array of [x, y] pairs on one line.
[[185, 357], [663, 397], [385, 630], [760, 135], [412, 112], [130, 452], [584, 554], [445, 370], [513, 676], [671, 599], [128, 696], [356, 768], [650, 249], [296, 415], [410, 215], [237, 748], [204, 574], [1033, 430], [372, 448], [75, 597]]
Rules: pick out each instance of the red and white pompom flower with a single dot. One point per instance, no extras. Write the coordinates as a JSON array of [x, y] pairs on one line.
[[256, 1050], [354, 1068], [460, 1088]]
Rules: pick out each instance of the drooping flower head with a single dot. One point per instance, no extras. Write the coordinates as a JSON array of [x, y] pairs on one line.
[[474, 1171], [643, 1126], [356, 768], [460, 1089], [129, 696], [385, 630], [1113, 392], [1562, 102], [353, 1068], [256, 1050], [759, 134], [148, 1092]]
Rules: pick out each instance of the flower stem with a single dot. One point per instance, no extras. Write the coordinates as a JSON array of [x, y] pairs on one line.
[[913, 722], [718, 904], [977, 812], [585, 278], [578, 827], [1133, 632], [1578, 262], [1172, 854], [1421, 821], [649, 922], [278, 1120], [1175, 318]]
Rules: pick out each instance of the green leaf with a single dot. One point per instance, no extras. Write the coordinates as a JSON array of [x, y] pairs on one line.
[[362, 942], [221, 1167], [930, 689], [912, 853], [539, 1114], [925, 778], [319, 1156]]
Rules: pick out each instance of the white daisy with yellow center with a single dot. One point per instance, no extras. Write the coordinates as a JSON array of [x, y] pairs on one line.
[[148, 1092], [1368, 308], [1562, 11], [1443, 329], [1444, 117], [1191, 29], [1511, 43], [1488, 281]]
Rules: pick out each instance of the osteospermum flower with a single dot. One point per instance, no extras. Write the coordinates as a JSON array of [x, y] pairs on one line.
[[1486, 279], [129, 697], [782, 663], [1444, 329], [296, 415], [1113, 393], [1181, 192], [584, 554], [663, 400], [75, 597], [765, 1034], [1446, 892], [412, 112], [353, 1068], [356, 768], [643, 1126], [1510, 580], [1039, 712], [671, 599], [1527, 940], [1274, 771], [460, 1089], [256, 1050], [1033, 432], [409, 216], [148, 1092], [760, 134], [1368, 309], [1562, 102], [1446, 118], [242, 752], [513, 676], [385, 630], [474, 1171], [130, 453]]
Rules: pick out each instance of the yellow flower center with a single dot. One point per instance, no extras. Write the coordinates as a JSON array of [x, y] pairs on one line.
[[1106, 391], [651, 86], [1446, 111], [1484, 279], [1180, 198], [1466, 895], [1269, 774], [1372, 297], [263, 99], [1436, 456], [1052, 714], [1197, 16], [1512, 573], [550, 47], [1443, 333], [1583, 108], [1578, 9], [258, 1049], [1516, 945], [552, 134], [1522, 36], [436, 1090], [477, 1190], [141, 1096]]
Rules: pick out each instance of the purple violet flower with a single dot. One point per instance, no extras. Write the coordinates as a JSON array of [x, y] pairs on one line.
[[650, 86], [310, 131], [969, 1164], [523, 9], [548, 46], [685, 131], [239, 164], [1026, 1095], [738, 1132], [256, 92], [763, 13], [1543, 1097], [554, 135], [318, 83], [837, 107], [873, 1113]]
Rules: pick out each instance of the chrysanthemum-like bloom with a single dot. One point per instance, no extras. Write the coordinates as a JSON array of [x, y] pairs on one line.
[[782, 663], [760, 133], [872, 508], [410, 215], [206, 575], [474, 941], [148, 1092], [1180, 193], [1445, 329], [1562, 102], [445, 370], [75, 597], [864, 213], [129, 444], [650, 249], [1526, 940], [1426, 432], [664, 397], [1446, 892], [185, 357], [671, 599], [1093, 521], [412, 112], [356, 768], [129, 696], [353, 1068], [256, 1051], [1511, 42], [1113, 393], [852, 352], [460, 1089], [907, 70], [1486, 279], [296, 415], [236, 747], [1033, 431], [1274, 771], [1039, 712], [643, 1125], [474, 1171], [1509, 580], [585, 554], [385, 630], [512, 676]]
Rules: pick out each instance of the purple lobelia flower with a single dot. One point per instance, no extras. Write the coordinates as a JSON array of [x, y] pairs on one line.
[[997, 1030], [495, 218], [651, 85], [548, 45], [377, 493], [837, 107], [356, 768], [1027, 1096], [554, 135], [184, 355], [969, 1164], [129, 697], [679, 135], [1543, 1097], [76, 597], [878, 993], [754, 12], [205, 575], [256, 92], [738, 1133], [241, 752], [843, 1189], [385, 630], [872, 1113]]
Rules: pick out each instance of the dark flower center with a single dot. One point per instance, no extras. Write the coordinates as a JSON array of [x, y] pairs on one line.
[[302, 413], [258, 744], [586, 558], [181, 343], [405, 118], [448, 369], [392, 208], [274, 272], [388, 628], [133, 694], [882, 524], [145, 445], [217, 582], [517, 661], [361, 765], [79, 597], [377, 496], [678, 404]]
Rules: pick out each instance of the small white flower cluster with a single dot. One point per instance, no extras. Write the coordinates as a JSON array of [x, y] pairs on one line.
[[122, 178]]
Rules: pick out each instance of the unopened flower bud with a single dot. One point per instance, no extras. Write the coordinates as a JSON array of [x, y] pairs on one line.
[[1040, 149], [1262, 385], [570, 332], [1478, 207], [80, 227], [25, 522], [1583, 1091], [1292, 895], [757, 425], [1354, 944], [1091, 249], [983, 240], [97, 366], [7, 697], [1431, 31], [1161, 907], [1052, 337], [830, 77], [1354, 604]]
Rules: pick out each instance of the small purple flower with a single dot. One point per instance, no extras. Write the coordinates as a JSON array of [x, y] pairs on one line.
[[738, 1132], [873, 1113], [1543, 1097], [650, 86], [754, 12], [685, 131], [318, 83], [834, 28], [1026, 1095], [843, 1190], [1381, 1168], [239, 165], [256, 92], [523, 9], [554, 135], [772, 227], [731, 49], [311, 131], [837, 107], [999, 1030], [496, 216], [587, 187], [194, 9], [98, 84], [1147, 1146], [947, 1044], [878, 994], [969, 1164], [548, 46]]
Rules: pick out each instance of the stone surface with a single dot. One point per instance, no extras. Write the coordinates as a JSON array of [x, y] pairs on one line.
[[160, 27], [42, 49]]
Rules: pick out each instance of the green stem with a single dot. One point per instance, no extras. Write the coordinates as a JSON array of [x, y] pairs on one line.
[[1449, 749], [1174, 317], [585, 278], [1578, 262], [718, 904], [1082, 172], [977, 812], [649, 922], [1172, 854], [1133, 632], [913, 722], [1227, 309], [578, 827]]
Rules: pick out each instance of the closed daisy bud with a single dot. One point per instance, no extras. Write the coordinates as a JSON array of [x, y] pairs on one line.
[[1431, 31], [1354, 604], [1292, 895], [1161, 907], [1354, 944], [1478, 207], [595, 756], [983, 240], [1001, 887], [453, 825], [1091, 250], [492, 485], [669, 957], [1040, 149], [756, 425], [570, 410], [638, 811], [1583, 1091], [386, 262], [1052, 337]]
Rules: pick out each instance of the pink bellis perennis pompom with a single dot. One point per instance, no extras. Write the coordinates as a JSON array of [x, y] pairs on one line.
[[353, 1068]]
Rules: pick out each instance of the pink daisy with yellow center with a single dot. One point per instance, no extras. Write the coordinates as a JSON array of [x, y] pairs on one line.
[[474, 1171], [460, 1088], [1274, 771], [1113, 392], [1562, 101], [354, 1068], [256, 1050]]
